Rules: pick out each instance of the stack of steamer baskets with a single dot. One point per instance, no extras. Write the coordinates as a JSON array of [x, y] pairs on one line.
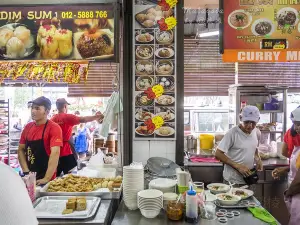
[[111, 142], [133, 182]]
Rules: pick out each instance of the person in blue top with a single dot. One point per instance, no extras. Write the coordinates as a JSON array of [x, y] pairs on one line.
[[82, 141]]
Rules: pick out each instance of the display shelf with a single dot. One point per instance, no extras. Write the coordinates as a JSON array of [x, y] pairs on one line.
[[270, 111]]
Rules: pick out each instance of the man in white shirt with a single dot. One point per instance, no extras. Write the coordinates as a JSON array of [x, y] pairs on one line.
[[238, 149], [15, 205]]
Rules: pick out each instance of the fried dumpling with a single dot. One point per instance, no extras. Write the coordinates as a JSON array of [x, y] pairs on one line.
[[5, 35]]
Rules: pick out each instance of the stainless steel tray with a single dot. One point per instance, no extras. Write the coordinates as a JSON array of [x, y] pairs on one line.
[[51, 207], [104, 193], [241, 205]]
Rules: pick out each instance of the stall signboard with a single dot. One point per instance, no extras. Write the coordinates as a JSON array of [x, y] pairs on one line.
[[261, 30], [58, 32], [154, 70]]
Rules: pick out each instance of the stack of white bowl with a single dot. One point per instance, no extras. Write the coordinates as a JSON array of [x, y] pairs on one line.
[[163, 184], [133, 182], [150, 202]]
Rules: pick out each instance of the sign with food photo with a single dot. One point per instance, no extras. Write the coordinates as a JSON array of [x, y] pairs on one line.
[[261, 31], [154, 63], [64, 32]]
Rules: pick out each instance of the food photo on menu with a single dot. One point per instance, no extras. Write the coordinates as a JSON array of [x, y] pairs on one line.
[[168, 83], [142, 114], [141, 99], [144, 36], [168, 114], [143, 131], [166, 131], [250, 24], [144, 52], [164, 52], [147, 16], [57, 39], [167, 100], [144, 82], [144, 67], [164, 67]]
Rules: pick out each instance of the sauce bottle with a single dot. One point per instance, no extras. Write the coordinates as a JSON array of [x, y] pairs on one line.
[[191, 206]]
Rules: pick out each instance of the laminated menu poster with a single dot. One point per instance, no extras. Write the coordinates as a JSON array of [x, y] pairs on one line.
[[261, 31], [58, 32], [154, 63]]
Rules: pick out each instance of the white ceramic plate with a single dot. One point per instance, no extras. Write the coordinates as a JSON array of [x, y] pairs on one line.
[[223, 188], [248, 193], [143, 134], [163, 183], [259, 21], [161, 98], [171, 131], [137, 116], [169, 49], [242, 11], [235, 199], [162, 114], [281, 11], [137, 39]]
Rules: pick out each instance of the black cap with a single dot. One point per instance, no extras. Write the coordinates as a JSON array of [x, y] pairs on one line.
[[62, 101], [42, 101]]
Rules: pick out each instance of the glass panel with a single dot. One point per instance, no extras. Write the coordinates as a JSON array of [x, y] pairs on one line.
[[210, 122]]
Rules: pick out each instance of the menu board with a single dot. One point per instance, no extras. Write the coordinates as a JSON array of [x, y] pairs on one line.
[[261, 31], [58, 32], [154, 71]]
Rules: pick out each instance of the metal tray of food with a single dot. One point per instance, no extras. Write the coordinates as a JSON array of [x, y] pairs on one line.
[[249, 202], [51, 207], [104, 193]]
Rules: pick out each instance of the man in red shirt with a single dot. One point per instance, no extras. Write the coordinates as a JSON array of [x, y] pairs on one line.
[[40, 143], [68, 156]]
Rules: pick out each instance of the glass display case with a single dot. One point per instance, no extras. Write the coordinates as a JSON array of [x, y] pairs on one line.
[[270, 100]]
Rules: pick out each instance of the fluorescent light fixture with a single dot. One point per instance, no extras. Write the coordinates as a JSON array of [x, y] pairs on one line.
[[208, 34]]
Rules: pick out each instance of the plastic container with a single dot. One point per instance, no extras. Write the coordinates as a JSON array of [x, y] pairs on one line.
[[206, 141], [175, 210], [182, 189], [191, 206], [168, 197]]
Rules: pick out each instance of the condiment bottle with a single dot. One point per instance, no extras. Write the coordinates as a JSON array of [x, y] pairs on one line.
[[191, 206]]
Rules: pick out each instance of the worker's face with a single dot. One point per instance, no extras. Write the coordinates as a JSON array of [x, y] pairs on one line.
[[297, 126], [249, 126], [38, 112]]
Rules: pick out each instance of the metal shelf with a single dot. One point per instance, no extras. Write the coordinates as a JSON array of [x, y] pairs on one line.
[[270, 111]]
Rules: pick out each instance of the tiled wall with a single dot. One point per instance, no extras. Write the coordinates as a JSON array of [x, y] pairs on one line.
[[143, 150]]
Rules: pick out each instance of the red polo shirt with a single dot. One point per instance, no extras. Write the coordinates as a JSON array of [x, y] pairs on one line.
[[291, 141], [66, 123], [52, 135]]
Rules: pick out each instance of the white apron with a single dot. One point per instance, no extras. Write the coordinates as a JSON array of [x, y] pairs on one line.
[[293, 203]]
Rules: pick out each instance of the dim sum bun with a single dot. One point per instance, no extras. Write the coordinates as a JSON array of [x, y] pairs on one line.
[[15, 48], [23, 34], [5, 35]]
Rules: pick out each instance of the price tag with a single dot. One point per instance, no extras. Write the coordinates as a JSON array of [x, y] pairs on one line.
[[158, 90], [171, 22], [171, 3], [158, 121]]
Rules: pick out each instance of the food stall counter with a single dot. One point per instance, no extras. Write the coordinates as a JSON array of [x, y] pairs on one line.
[[125, 216], [102, 217]]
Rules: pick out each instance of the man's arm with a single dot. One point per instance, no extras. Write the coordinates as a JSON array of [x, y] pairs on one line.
[[87, 119], [285, 150], [22, 158], [257, 159], [52, 165], [244, 170]]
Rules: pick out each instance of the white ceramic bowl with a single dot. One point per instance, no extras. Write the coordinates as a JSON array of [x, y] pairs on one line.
[[209, 197], [150, 214], [150, 193], [234, 199], [217, 188]]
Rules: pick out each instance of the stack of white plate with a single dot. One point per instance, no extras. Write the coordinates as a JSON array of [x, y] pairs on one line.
[[133, 182], [163, 184], [150, 202]]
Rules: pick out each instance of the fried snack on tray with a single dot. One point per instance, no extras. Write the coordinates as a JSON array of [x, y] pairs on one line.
[[72, 183]]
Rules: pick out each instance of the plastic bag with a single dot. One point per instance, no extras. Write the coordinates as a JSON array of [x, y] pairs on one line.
[[30, 183], [97, 159]]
